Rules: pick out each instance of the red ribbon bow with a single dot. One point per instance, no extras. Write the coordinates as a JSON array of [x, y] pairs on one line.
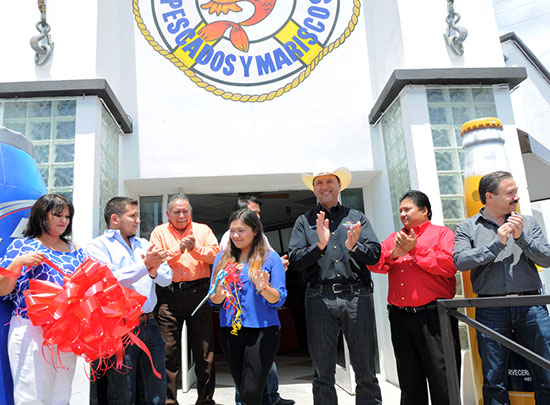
[[91, 315]]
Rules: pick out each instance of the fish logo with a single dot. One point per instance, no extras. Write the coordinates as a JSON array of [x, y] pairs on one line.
[[238, 37], [246, 50]]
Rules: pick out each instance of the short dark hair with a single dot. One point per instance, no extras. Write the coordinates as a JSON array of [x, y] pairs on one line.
[[242, 201], [419, 199], [490, 183], [178, 196], [117, 205], [37, 224]]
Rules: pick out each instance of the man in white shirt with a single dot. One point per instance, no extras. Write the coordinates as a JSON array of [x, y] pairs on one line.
[[137, 265]]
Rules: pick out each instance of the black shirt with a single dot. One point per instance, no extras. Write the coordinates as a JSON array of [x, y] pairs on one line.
[[334, 264]]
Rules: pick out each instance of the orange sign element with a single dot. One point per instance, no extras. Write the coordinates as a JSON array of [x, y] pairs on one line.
[[471, 195], [480, 123], [473, 205], [237, 35]]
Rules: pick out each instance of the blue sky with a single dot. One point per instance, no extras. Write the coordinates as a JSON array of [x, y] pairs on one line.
[[529, 19]]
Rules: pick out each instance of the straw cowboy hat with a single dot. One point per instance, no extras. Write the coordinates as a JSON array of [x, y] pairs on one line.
[[342, 173]]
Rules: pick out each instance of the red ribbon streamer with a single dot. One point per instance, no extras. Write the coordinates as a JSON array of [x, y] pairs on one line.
[[15, 274], [231, 303], [11, 273], [91, 315]]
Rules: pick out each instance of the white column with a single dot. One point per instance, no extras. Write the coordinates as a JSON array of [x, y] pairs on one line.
[[86, 169], [505, 113], [379, 211]]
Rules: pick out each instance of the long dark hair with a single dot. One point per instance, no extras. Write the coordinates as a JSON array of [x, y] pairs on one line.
[[38, 224], [258, 249]]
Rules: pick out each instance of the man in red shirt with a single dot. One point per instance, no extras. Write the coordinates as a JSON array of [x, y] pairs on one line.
[[419, 263]]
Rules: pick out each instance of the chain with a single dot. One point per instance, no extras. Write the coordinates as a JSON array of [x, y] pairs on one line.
[[42, 43], [455, 35], [42, 7]]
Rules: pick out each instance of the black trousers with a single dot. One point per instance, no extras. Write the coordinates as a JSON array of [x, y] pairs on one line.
[[418, 348], [174, 307], [250, 355]]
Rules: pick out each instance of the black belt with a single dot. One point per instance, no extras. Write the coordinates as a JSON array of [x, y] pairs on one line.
[[143, 318], [338, 288], [532, 292], [185, 285], [413, 310]]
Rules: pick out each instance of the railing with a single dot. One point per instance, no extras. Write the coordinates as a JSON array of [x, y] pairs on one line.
[[447, 308]]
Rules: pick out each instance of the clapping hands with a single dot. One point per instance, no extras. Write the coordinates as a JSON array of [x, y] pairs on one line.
[[404, 243], [153, 258], [514, 225], [261, 281]]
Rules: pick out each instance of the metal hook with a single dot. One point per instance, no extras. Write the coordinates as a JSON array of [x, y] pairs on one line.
[[455, 35], [42, 43]]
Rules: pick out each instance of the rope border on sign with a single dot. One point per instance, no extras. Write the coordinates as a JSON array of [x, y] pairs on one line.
[[256, 98]]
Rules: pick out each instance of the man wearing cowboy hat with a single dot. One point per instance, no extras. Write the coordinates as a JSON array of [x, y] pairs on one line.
[[331, 245]]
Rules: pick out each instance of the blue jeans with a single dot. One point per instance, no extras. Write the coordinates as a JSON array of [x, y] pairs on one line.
[[135, 383], [271, 392], [352, 312], [531, 327], [270, 396]]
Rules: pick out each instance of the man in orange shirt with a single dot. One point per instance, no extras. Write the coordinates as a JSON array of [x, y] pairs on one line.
[[192, 248]]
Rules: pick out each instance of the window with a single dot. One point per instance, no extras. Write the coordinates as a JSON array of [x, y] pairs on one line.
[[397, 165], [108, 166], [50, 125], [353, 198], [449, 108], [150, 214]]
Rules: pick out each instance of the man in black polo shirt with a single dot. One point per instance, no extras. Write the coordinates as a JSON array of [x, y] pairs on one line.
[[332, 245]]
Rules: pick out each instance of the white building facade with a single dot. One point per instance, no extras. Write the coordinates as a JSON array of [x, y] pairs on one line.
[[130, 105]]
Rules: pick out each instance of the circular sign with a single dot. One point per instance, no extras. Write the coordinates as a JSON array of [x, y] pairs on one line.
[[246, 50]]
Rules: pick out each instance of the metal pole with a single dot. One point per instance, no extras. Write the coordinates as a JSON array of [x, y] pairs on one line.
[[510, 344], [449, 355]]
